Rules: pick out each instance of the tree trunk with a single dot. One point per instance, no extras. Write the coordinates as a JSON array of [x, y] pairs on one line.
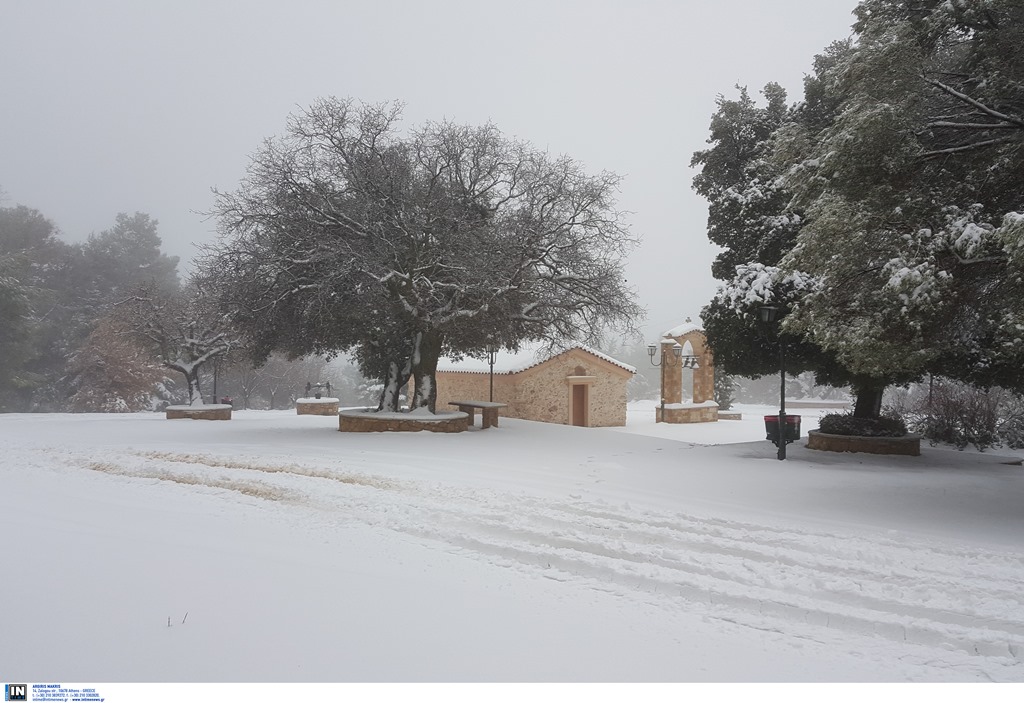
[[394, 382], [191, 374], [195, 396], [869, 397], [425, 354]]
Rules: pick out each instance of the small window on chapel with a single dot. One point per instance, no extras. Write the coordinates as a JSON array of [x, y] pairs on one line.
[[580, 371]]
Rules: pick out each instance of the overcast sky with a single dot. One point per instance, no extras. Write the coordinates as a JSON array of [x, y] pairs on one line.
[[121, 106]]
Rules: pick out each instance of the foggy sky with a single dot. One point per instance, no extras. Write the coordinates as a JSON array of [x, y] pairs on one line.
[[122, 106]]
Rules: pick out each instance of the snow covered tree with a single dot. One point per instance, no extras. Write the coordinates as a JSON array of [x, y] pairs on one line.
[[914, 196], [747, 210], [125, 256], [15, 313], [750, 217], [182, 329], [63, 291], [37, 302], [347, 235], [904, 163]]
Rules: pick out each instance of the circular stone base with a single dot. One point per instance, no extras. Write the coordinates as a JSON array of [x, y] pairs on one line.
[[369, 421], [198, 412], [909, 445]]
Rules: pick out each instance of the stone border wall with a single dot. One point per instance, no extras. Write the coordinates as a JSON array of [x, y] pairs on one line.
[[358, 421], [680, 416], [910, 445]]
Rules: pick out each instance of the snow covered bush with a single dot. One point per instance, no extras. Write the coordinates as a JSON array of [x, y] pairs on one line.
[[950, 412], [1011, 422], [961, 414], [847, 424]]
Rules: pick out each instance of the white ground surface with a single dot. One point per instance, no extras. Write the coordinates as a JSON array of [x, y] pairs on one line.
[[274, 548]]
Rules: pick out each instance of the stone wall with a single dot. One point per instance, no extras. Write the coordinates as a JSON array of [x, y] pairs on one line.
[[909, 445], [355, 421], [543, 392], [688, 414], [315, 406], [454, 385], [198, 412]]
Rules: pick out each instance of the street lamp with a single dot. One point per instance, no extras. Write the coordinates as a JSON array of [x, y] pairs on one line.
[[492, 353], [772, 314], [652, 349], [216, 368]]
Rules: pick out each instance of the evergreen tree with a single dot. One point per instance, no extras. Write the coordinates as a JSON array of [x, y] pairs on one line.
[[915, 196]]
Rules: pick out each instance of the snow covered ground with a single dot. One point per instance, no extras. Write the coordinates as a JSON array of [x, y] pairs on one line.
[[274, 548]]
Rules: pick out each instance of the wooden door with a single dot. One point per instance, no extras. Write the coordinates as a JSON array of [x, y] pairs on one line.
[[579, 405]]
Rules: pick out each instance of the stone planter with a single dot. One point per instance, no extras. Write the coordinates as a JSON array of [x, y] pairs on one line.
[[198, 412], [909, 445], [366, 421]]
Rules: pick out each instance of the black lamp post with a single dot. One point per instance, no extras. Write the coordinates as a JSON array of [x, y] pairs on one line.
[[492, 353], [773, 315], [651, 351]]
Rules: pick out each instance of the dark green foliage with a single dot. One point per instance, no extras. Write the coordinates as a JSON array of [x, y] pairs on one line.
[[747, 212], [725, 389], [849, 425], [905, 167], [53, 294]]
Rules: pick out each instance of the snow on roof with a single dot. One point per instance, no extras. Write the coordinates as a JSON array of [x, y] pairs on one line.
[[507, 362], [684, 328]]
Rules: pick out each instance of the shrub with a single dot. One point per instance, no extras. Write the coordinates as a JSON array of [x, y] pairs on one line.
[[949, 412], [1011, 422], [847, 424]]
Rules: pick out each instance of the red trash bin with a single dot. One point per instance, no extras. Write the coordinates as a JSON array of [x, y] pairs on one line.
[[771, 428]]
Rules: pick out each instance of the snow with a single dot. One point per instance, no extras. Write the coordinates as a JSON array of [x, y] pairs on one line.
[[200, 406], [421, 414], [690, 406], [508, 362], [274, 548], [681, 329]]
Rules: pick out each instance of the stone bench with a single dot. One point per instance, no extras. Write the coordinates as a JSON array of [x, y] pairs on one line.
[[198, 412], [488, 411]]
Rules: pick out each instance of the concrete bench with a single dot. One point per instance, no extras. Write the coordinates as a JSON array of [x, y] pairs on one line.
[[488, 411]]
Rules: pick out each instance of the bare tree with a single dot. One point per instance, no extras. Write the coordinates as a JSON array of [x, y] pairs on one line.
[[183, 331]]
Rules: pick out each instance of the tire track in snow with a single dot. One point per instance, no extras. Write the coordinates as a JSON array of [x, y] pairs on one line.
[[738, 572]]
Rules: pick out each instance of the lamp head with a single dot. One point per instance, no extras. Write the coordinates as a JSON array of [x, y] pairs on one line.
[[770, 313]]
